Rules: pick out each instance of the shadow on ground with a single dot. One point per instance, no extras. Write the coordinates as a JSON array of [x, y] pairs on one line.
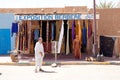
[[48, 71]]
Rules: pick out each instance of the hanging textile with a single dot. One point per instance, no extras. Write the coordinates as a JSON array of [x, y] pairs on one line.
[[76, 28], [53, 30], [58, 29], [84, 37], [115, 51], [21, 38], [67, 47], [106, 46], [41, 28], [65, 33], [70, 40], [44, 32], [89, 29], [32, 44], [119, 46], [13, 38], [89, 36], [36, 34], [14, 28], [60, 38], [79, 31], [47, 37], [23, 31], [26, 36], [29, 23], [73, 30]]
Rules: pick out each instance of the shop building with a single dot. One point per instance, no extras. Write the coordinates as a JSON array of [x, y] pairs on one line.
[[52, 24], [49, 21]]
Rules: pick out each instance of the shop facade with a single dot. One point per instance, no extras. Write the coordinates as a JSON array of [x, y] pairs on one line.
[[61, 28], [108, 25], [49, 23]]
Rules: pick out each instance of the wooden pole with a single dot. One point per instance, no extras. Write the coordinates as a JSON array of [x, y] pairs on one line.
[[94, 23]]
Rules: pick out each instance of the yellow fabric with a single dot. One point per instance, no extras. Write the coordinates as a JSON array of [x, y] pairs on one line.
[[79, 31], [77, 28]]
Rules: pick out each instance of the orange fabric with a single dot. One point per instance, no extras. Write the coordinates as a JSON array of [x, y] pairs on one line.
[[79, 32]]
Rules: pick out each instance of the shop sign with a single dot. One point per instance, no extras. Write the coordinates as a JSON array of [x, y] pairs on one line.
[[55, 17]]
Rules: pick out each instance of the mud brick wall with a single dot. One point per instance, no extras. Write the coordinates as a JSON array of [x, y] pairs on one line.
[[109, 22]]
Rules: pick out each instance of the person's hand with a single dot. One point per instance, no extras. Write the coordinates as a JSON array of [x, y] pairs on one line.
[[41, 54]]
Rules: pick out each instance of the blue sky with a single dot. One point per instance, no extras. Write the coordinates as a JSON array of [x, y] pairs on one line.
[[48, 3]]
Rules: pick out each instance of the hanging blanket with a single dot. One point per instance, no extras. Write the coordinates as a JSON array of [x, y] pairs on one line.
[[106, 46]]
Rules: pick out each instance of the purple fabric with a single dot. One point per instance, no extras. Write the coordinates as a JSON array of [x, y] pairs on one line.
[[73, 30]]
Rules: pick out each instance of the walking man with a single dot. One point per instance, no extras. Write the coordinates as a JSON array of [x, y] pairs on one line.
[[39, 54]]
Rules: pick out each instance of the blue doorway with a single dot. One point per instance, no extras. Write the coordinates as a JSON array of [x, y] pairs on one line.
[[5, 43]]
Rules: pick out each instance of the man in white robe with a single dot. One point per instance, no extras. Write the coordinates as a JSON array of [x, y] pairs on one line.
[[39, 54]]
